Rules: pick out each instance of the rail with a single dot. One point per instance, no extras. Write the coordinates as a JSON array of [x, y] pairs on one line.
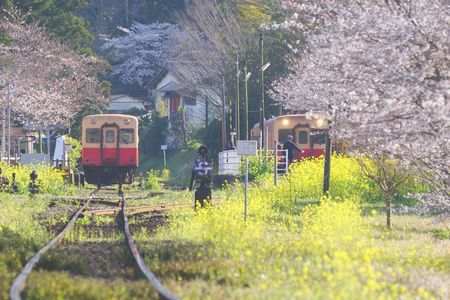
[[162, 291], [138, 209], [19, 283]]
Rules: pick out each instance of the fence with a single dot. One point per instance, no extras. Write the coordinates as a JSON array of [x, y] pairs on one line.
[[230, 162]]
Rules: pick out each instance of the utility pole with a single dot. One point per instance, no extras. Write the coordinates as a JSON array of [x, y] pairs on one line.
[[224, 126], [49, 145], [247, 76], [206, 111], [126, 13], [230, 118], [238, 87], [327, 157], [261, 83]]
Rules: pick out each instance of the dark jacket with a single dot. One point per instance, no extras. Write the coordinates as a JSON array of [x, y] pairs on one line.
[[290, 147]]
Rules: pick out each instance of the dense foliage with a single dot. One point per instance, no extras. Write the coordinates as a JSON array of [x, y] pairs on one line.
[[59, 18]]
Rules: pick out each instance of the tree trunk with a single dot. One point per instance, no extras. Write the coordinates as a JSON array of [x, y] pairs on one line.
[[3, 132], [388, 197]]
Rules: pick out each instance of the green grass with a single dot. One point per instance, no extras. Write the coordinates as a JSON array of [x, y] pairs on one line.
[[179, 163]]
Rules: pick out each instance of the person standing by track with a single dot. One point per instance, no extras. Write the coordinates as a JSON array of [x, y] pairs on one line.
[[201, 178], [291, 147]]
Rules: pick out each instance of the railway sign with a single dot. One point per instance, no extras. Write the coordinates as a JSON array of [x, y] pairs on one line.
[[246, 148], [164, 148]]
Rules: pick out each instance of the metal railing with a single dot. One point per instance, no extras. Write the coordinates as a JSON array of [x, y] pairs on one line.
[[230, 162]]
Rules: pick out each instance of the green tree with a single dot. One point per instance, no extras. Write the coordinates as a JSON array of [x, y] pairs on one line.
[[58, 16]]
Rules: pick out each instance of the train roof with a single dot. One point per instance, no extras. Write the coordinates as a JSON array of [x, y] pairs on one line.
[[110, 116], [273, 119]]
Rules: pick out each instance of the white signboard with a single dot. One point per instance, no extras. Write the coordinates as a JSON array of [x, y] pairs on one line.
[[163, 147], [34, 159], [246, 148]]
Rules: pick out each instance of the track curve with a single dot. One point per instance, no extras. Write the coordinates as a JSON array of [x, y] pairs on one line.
[[162, 291], [19, 283]]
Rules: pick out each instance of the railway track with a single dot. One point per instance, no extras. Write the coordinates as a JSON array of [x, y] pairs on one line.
[[20, 282], [162, 291]]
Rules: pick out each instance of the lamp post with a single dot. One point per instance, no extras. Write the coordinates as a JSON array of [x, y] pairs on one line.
[[237, 109], [323, 124], [263, 67], [247, 77]]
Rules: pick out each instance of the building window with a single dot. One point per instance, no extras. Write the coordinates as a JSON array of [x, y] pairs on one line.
[[109, 136], [126, 136], [303, 137], [92, 135]]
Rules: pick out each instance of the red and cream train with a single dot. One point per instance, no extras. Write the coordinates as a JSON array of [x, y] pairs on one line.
[[308, 133], [109, 148]]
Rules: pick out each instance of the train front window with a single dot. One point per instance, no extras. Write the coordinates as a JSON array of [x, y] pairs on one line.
[[283, 135], [92, 135], [126, 136], [303, 137], [109, 136]]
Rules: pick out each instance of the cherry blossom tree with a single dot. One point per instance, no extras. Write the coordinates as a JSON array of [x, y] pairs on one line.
[[51, 84], [143, 52], [384, 68]]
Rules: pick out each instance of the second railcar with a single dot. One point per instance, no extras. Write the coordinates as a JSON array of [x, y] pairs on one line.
[[109, 148], [300, 126]]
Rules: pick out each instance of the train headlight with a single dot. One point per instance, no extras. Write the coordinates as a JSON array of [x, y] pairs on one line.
[[127, 121], [93, 121], [285, 122], [320, 123]]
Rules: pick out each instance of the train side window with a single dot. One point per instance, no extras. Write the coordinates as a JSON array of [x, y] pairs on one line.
[[126, 136], [92, 135], [319, 139], [109, 136], [283, 135], [303, 137]]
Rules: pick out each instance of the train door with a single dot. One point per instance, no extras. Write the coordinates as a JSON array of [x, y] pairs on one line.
[[110, 144]]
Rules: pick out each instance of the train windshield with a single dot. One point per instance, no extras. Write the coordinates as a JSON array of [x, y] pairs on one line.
[[109, 136], [92, 135], [283, 135], [126, 136]]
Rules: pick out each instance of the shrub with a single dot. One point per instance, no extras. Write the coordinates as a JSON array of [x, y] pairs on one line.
[[257, 166], [152, 181], [74, 154], [50, 180]]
